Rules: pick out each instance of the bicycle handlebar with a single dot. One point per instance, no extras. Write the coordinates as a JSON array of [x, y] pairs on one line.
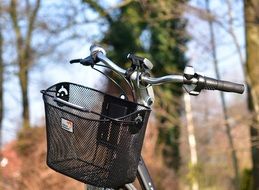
[[188, 78], [101, 57], [202, 82]]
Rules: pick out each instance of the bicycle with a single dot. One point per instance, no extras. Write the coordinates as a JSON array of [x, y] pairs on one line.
[[97, 138]]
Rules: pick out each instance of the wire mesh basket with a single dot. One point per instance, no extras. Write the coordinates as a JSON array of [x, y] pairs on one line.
[[93, 137]]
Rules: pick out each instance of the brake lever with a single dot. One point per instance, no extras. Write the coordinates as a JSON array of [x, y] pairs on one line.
[[88, 61], [140, 62]]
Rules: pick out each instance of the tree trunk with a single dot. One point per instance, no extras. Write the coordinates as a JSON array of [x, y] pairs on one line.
[[1, 83], [191, 139], [23, 79], [252, 68], [223, 102], [24, 51]]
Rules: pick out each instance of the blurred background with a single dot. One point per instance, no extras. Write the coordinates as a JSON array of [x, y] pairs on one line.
[[208, 142]]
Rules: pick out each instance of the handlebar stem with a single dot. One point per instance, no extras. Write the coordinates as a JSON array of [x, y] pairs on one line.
[[145, 93]]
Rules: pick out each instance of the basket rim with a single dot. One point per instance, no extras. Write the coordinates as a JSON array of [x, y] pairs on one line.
[[80, 85], [106, 118]]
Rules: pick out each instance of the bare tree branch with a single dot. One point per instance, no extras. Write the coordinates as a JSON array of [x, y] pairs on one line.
[[103, 13], [31, 23], [14, 19]]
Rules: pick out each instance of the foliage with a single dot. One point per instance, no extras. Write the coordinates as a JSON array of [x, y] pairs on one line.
[[27, 167], [25, 138], [168, 39], [246, 182], [123, 35], [252, 71], [195, 172]]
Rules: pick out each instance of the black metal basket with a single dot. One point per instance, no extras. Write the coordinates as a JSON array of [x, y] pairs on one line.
[[93, 137]]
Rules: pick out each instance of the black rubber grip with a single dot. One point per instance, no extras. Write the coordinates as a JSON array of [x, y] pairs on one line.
[[75, 61], [88, 61], [214, 84]]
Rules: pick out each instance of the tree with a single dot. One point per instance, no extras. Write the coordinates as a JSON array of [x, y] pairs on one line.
[[163, 29], [39, 33], [192, 142], [167, 47], [1, 81], [224, 106], [252, 69], [24, 52]]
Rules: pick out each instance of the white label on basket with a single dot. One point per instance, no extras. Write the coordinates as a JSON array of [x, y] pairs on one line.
[[67, 125]]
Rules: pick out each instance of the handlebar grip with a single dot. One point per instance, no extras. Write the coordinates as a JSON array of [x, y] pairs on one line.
[[75, 61], [214, 84]]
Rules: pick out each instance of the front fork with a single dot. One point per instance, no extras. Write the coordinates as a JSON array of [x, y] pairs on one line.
[[144, 177]]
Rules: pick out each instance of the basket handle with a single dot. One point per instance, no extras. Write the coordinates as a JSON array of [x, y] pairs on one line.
[[137, 120], [59, 100]]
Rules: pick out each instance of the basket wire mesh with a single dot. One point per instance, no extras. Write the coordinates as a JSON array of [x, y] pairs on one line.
[[92, 136]]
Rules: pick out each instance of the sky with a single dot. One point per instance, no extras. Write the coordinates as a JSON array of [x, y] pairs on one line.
[[53, 71], [230, 67]]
